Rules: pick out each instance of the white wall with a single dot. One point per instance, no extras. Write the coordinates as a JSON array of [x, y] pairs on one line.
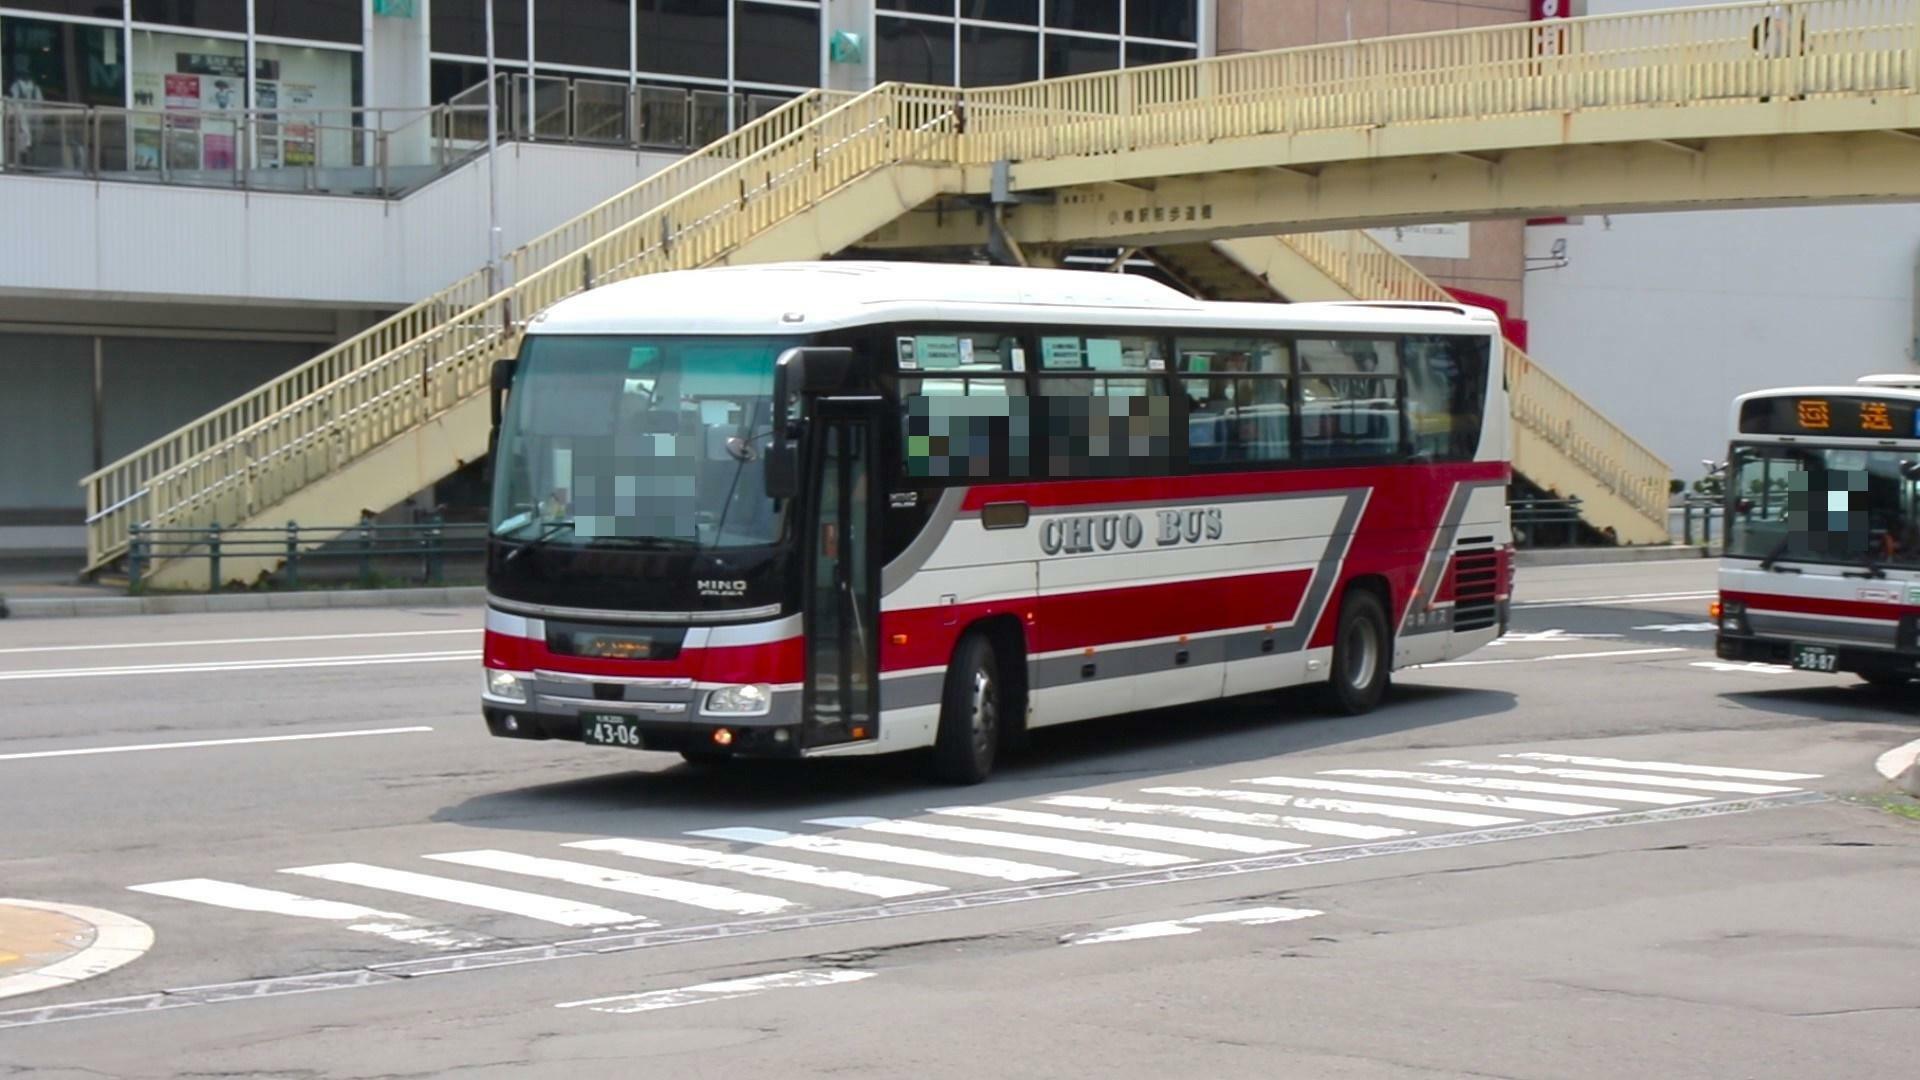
[[1660, 319], [143, 241]]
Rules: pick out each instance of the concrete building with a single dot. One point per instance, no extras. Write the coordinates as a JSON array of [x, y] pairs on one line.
[[197, 196]]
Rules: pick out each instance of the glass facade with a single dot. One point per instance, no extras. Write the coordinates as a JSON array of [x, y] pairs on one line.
[[991, 42]]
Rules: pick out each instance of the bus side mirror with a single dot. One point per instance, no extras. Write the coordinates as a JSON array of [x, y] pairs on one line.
[[798, 374], [501, 381]]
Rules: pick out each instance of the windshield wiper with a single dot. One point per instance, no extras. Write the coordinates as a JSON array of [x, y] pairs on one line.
[[1873, 568], [1773, 556], [653, 543], [551, 531]]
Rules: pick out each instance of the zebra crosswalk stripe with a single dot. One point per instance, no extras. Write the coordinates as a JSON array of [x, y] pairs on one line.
[[1138, 830], [551, 909], [1736, 787], [405, 929], [1431, 815], [977, 865], [887, 888], [1460, 798], [1321, 826], [1665, 766], [1043, 845], [1653, 798], [690, 893]]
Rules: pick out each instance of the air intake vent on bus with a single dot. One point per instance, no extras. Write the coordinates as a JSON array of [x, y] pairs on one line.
[[1476, 583]]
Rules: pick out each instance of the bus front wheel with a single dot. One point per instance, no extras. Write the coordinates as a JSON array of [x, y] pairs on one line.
[[969, 734], [1360, 655], [1884, 680]]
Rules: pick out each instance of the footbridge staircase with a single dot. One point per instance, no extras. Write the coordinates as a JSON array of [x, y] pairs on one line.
[[1773, 103]]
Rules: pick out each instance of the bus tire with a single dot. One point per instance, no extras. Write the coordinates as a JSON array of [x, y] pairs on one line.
[[1884, 680], [969, 734], [1362, 655], [706, 759]]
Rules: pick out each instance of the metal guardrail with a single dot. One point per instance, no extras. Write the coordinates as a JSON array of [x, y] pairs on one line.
[[123, 492], [366, 544], [1536, 519], [1701, 56], [375, 152], [1366, 268]]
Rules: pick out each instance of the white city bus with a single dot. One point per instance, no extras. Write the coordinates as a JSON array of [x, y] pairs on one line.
[[1822, 564], [850, 508]]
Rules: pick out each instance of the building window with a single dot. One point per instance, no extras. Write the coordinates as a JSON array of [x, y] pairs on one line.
[[450, 78], [99, 9], [684, 37], [991, 57], [582, 33], [918, 7], [460, 26], [1174, 20], [914, 51], [1024, 12], [1098, 16], [199, 14], [776, 44], [306, 96], [316, 20], [1070, 54], [1140, 54]]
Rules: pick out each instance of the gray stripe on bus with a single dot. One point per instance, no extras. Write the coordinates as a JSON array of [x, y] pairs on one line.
[[1804, 628], [908, 563]]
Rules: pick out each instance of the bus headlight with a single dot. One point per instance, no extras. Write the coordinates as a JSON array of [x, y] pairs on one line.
[[754, 699], [506, 685]]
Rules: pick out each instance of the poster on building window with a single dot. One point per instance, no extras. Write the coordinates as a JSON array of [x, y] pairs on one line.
[[183, 93]]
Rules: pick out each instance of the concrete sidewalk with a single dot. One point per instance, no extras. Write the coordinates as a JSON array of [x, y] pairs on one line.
[[113, 603]]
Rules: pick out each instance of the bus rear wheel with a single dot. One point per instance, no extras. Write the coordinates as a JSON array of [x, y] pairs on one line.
[[1884, 680], [1360, 655], [969, 734]]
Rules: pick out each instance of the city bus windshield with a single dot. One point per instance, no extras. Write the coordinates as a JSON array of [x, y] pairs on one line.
[[638, 441], [1824, 504]]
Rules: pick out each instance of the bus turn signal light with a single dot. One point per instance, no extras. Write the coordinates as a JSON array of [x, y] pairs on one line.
[[1713, 611], [722, 737]]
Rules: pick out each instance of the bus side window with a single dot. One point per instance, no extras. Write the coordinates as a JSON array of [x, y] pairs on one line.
[[1239, 400], [965, 428], [1349, 398], [1101, 412], [1446, 395]]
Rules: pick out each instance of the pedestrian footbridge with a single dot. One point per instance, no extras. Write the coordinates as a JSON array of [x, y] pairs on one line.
[[1248, 159]]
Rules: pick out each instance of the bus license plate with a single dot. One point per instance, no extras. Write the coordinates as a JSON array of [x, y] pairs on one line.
[[606, 729], [1814, 658]]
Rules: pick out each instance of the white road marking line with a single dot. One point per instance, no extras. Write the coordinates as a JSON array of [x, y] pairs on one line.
[[1582, 791], [1464, 798], [977, 865], [197, 743], [1172, 927], [1522, 637], [691, 893], [1555, 656], [1897, 760], [757, 866], [1681, 627], [1340, 806], [216, 667], [365, 920], [1731, 786], [1665, 766], [118, 940], [550, 909], [715, 991], [1607, 601], [1170, 834], [1743, 667], [234, 641], [1044, 845], [1321, 826]]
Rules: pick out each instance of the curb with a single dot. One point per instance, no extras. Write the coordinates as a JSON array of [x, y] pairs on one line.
[[1594, 556], [1901, 767], [117, 940], [81, 607]]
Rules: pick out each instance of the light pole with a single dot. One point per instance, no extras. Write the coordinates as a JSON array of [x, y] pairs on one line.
[[494, 284]]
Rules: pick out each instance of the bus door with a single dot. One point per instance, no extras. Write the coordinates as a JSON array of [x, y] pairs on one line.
[[842, 578]]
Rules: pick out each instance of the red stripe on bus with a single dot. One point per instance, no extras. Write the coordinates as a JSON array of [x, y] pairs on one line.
[[781, 661], [1099, 617], [1141, 489], [1820, 605]]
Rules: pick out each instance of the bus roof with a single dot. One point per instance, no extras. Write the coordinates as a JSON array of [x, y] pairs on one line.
[[1879, 390], [792, 298]]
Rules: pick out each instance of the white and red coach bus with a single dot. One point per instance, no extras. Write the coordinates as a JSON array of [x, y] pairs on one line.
[[852, 508], [1822, 563]]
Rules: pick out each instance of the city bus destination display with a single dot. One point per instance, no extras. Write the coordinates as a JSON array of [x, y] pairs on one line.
[[1832, 415]]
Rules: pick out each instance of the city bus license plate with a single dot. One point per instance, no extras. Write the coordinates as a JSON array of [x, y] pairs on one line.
[[608, 729], [1814, 658]]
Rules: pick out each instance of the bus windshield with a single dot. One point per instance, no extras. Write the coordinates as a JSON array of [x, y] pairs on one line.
[[1824, 504], [650, 441]]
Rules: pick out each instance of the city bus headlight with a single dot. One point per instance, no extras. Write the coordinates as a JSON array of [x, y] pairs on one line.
[[754, 699], [506, 685]]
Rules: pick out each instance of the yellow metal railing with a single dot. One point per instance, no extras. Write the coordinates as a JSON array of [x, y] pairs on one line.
[[331, 411], [1367, 269], [260, 463], [123, 492], [1734, 52]]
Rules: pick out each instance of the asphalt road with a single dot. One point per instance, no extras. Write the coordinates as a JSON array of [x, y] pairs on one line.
[[1588, 851]]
